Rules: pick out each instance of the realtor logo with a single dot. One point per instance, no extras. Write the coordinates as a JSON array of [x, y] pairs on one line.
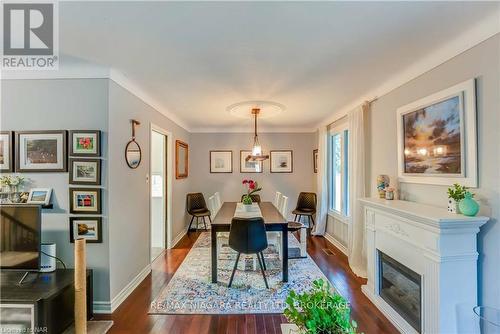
[[29, 36]]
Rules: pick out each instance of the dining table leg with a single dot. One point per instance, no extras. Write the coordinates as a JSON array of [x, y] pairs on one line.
[[284, 238], [214, 255]]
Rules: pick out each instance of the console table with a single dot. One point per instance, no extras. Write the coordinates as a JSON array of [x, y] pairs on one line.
[[44, 302]]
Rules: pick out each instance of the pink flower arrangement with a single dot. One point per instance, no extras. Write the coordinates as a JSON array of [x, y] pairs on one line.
[[252, 188]]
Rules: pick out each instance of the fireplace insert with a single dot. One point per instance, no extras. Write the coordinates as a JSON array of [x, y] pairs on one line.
[[401, 288]]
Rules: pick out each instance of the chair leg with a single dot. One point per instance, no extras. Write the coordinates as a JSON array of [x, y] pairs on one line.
[[263, 273], [295, 218], [210, 219], [191, 222], [205, 222], [197, 223], [234, 270], [309, 221], [263, 261], [312, 218]]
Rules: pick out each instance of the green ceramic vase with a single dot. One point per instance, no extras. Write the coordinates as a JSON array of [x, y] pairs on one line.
[[468, 206]]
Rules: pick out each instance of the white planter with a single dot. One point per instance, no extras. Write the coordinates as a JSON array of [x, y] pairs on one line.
[[453, 206], [247, 207]]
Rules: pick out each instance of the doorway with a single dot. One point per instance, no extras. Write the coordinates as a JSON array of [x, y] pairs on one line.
[[160, 192]]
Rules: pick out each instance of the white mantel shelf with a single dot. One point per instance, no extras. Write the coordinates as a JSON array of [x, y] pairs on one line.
[[439, 246]]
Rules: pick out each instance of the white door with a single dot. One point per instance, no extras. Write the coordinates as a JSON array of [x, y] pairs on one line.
[[158, 193]]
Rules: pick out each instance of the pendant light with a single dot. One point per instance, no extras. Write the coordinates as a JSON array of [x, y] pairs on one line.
[[256, 149]]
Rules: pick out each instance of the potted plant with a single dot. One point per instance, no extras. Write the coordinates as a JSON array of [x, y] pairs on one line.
[[456, 193], [11, 184], [252, 187], [319, 311]]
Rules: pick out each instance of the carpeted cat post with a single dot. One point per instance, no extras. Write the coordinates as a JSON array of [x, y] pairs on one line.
[[80, 287]]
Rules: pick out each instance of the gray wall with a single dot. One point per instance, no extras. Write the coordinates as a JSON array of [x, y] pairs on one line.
[[229, 185], [63, 105], [481, 62], [129, 193]]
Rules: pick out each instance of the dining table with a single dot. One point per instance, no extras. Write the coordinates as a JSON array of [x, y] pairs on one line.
[[273, 220]]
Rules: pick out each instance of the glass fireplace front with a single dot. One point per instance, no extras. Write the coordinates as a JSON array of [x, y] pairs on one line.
[[401, 288]]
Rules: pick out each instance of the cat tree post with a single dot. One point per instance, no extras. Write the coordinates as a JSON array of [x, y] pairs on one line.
[[80, 287]]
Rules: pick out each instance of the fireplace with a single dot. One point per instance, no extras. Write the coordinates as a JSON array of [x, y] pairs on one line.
[[401, 288]]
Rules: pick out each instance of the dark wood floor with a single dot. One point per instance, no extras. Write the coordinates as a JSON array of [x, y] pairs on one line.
[[132, 316]]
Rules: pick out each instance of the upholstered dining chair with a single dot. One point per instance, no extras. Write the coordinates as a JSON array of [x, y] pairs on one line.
[[306, 206], [248, 236], [255, 198], [197, 207]]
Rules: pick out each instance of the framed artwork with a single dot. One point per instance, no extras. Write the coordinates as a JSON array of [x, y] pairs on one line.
[[221, 161], [315, 160], [39, 196], [85, 143], [41, 151], [437, 138], [282, 161], [181, 160], [88, 228], [85, 200], [85, 171], [249, 166], [6, 157]]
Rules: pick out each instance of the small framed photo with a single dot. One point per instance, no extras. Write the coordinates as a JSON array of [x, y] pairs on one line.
[[221, 161], [6, 157], [282, 161], [85, 171], [85, 200], [41, 151], [315, 160], [85, 143], [249, 166], [88, 228], [39, 196]]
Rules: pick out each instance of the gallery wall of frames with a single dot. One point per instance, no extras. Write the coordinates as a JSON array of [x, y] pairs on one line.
[[57, 151]]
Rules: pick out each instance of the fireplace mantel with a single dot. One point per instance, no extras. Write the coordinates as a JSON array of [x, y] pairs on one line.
[[441, 247]]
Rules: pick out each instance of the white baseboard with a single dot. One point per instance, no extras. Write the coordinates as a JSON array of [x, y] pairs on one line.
[[335, 242], [100, 307]]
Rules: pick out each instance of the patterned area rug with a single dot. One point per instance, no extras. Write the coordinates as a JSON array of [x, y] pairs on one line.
[[190, 290]]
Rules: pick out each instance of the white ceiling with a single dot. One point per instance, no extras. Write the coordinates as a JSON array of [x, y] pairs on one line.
[[197, 58]]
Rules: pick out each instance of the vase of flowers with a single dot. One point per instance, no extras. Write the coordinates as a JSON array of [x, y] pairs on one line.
[[252, 187], [455, 195], [12, 184]]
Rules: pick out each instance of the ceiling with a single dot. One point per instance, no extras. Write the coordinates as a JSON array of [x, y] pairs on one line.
[[197, 58]]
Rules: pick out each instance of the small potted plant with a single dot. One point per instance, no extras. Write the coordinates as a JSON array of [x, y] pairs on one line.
[[252, 187], [319, 311], [456, 193], [12, 183]]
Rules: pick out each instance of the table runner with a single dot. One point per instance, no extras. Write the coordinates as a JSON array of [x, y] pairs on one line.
[[251, 211]]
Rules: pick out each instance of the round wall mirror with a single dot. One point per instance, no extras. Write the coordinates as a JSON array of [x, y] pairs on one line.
[[133, 154]]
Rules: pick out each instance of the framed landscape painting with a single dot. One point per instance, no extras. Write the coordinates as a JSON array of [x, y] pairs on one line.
[[85, 171], [437, 138], [249, 166], [181, 160], [6, 157], [221, 161], [85, 200], [88, 228], [282, 161], [41, 151], [85, 143]]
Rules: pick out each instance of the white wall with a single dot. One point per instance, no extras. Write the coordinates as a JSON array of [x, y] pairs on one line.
[[229, 185], [481, 62], [63, 105]]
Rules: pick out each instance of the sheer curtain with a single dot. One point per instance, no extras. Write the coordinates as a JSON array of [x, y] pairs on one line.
[[356, 249], [322, 183]]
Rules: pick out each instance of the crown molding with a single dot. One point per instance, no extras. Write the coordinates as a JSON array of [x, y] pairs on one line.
[[477, 34], [250, 130]]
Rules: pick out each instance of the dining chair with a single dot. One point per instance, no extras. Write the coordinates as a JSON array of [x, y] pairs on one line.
[[218, 202], [277, 199], [248, 236], [197, 207], [306, 206], [212, 207], [283, 208], [255, 198]]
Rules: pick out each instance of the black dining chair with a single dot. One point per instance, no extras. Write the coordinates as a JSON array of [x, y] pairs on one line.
[[306, 206], [248, 236], [197, 207], [255, 198]]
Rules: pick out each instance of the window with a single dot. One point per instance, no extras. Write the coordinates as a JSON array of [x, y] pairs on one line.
[[338, 178]]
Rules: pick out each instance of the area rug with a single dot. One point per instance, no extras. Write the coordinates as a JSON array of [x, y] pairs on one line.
[[190, 290]]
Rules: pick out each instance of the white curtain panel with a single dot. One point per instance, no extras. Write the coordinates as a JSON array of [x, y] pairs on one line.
[[356, 249], [322, 183]]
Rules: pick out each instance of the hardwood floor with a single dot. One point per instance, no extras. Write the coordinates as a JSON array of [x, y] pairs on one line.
[[132, 316]]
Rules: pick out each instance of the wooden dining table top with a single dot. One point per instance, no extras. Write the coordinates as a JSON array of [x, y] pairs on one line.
[[269, 212]]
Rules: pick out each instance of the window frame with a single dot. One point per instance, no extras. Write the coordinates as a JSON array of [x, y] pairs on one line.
[[343, 131]]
